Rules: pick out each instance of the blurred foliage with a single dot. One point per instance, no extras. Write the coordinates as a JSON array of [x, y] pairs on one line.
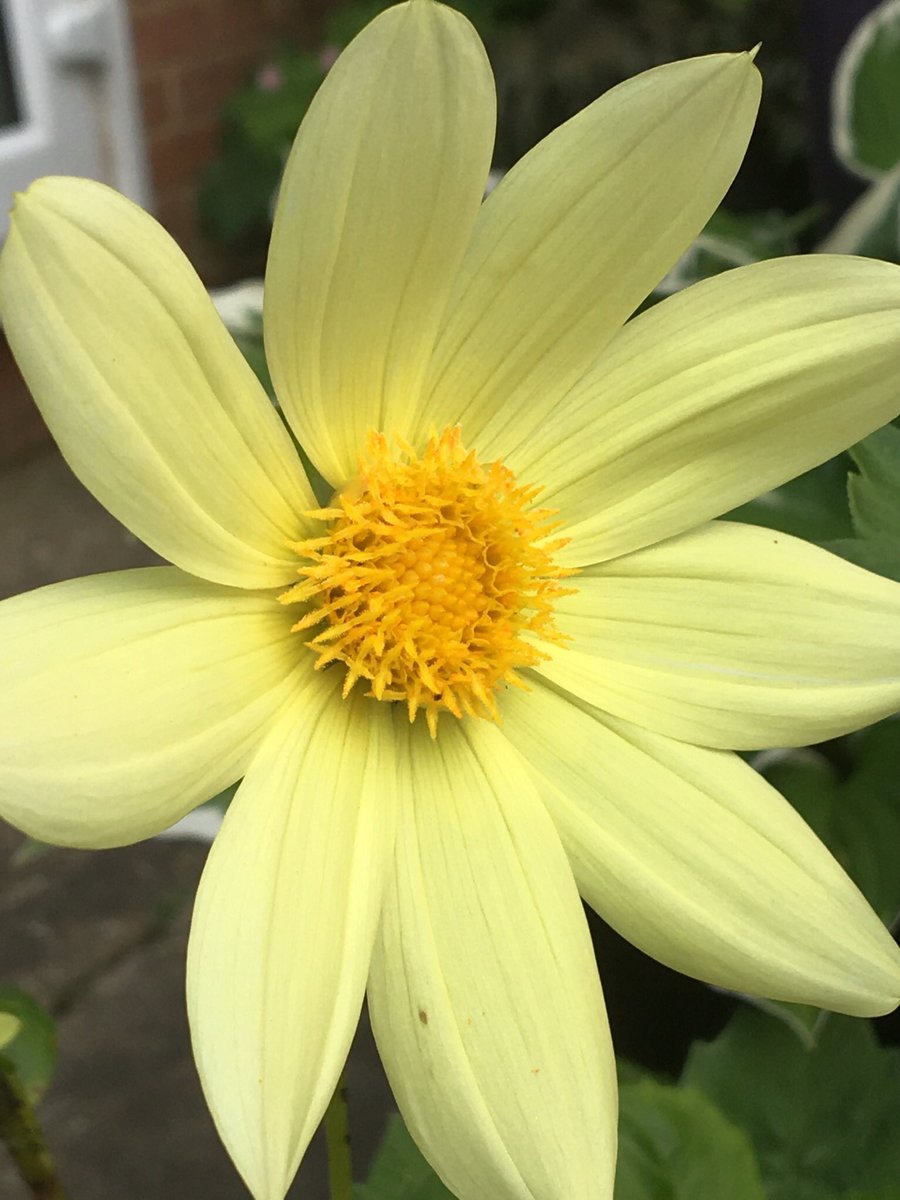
[[812, 506], [871, 226], [867, 94], [259, 121], [855, 515], [551, 58], [866, 131], [675, 1145], [822, 1119], [251, 346], [345, 21], [27, 1060], [874, 495], [27, 1042], [758, 1114], [733, 240], [852, 801], [399, 1171], [258, 124], [548, 71]]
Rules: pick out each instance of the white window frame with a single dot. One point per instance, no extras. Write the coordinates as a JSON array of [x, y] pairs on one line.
[[74, 81]]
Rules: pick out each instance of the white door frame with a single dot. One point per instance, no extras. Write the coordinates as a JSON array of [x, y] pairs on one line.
[[73, 76]]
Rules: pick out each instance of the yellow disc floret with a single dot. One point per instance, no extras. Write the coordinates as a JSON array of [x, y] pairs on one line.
[[430, 572]]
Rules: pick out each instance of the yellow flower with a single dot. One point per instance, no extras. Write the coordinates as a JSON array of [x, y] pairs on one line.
[[520, 554]]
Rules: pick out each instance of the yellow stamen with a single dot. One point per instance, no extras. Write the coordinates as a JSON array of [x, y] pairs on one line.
[[430, 571]]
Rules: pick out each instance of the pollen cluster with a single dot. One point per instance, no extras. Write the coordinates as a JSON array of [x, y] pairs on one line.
[[431, 571]]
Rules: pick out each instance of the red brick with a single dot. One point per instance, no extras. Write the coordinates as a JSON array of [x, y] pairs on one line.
[[191, 55], [141, 7], [203, 87], [175, 208], [233, 25], [179, 156], [171, 34], [159, 100], [302, 22]]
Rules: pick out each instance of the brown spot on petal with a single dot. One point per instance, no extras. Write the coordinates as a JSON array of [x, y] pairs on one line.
[[423, 1016]]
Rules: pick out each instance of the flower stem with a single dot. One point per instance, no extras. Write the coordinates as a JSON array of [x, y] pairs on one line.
[[22, 1135], [337, 1137]]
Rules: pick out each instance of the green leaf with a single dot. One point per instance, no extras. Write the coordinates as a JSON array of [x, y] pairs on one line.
[[874, 495], [822, 1120], [253, 350], [875, 492], [805, 1021], [871, 225], [878, 554], [870, 833], [876, 755], [235, 199], [858, 818], [630, 1072], [399, 1171], [31, 1048], [733, 240], [866, 94], [675, 1145], [259, 122], [812, 506]]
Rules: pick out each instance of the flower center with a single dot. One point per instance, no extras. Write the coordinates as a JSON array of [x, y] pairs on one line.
[[430, 572]]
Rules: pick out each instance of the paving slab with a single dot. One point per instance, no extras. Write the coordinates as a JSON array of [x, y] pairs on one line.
[[51, 528], [99, 938]]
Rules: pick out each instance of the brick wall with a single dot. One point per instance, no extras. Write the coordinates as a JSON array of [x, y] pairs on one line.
[[190, 55]]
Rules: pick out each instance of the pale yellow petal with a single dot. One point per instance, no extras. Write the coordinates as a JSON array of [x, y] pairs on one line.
[[376, 206], [733, 636], [716, 395], [484, 994], [574, 238], [151, 402], [127, 699], [283, 927], [693, 857]]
